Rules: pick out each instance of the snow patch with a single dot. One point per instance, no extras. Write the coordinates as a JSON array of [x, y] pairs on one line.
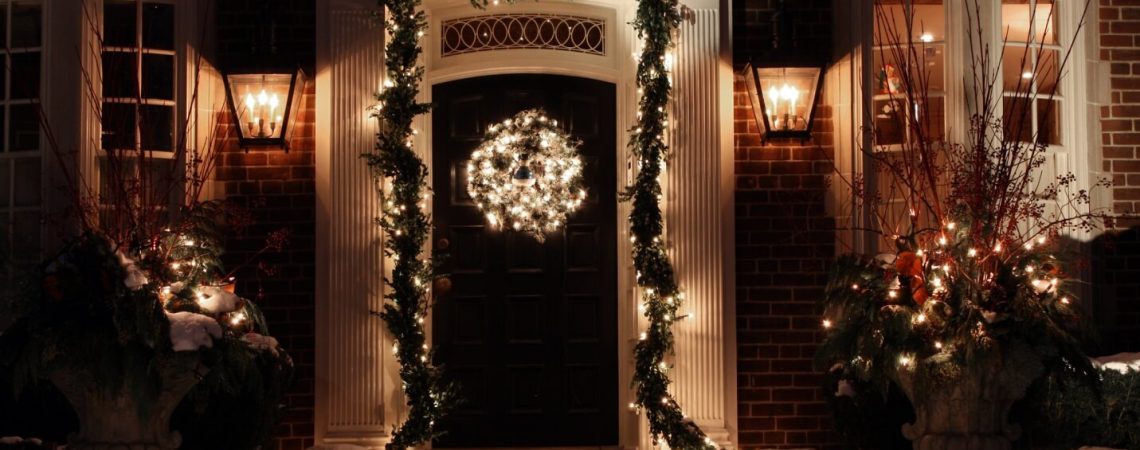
[[261, 342], [189, 331], [135, 278], [1120, 362], [217, 300], [845, 389]]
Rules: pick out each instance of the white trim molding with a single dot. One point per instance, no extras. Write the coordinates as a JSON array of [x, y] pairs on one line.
[[356, 376]]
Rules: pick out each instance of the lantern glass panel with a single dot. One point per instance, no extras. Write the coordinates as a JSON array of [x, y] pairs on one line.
[[261, 102], [789, 96]]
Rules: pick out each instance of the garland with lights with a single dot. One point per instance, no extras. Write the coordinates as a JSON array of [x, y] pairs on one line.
[[406, 226], [526, 174], [655, 24]]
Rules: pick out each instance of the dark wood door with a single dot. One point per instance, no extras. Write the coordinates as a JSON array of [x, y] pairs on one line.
[[528, 329]]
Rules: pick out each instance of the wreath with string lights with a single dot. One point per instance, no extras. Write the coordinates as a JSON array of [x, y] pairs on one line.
[[526, 175]]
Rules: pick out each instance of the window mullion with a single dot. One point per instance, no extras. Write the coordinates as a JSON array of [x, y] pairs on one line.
[[138, 76], [7, 81]]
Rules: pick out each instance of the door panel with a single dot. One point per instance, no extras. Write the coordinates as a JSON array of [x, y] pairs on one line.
[[528, 329]]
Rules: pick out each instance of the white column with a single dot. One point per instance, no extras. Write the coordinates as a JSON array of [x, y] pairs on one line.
[[355, 381], [699, 220]]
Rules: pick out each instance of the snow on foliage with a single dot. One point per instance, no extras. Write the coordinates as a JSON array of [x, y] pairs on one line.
[[217, 300], [135, 278], [190, 331], [261, 342], [1120, 362]]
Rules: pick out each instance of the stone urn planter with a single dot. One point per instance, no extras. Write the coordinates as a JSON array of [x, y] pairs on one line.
[[969, 411], [133, 414]]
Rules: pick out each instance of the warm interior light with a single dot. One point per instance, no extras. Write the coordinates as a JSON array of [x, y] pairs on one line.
[[926, 37], [1027, 75]]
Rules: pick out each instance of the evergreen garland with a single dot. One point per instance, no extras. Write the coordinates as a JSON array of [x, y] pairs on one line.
[[406, 226], [655, 23]]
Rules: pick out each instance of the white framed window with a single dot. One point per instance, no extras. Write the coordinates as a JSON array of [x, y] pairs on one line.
[[1027, 41], [900, 26], [139, 105], [908, 95], [21, 153], [139, 76], [1031, 58]]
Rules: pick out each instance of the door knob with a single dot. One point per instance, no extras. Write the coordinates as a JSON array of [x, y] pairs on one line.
[[442, 285], [442, 244]]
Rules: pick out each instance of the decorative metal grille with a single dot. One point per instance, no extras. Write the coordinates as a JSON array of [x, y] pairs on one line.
[[524, 31]]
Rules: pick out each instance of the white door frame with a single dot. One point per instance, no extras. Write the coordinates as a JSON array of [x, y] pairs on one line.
[[699, 206]]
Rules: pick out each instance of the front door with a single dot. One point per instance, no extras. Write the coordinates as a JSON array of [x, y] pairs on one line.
[[527, 329]]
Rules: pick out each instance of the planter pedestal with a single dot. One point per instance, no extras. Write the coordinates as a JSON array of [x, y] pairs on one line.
[[122, 418], [971, 412]]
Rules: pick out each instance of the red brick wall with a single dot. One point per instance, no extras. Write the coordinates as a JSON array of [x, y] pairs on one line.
[[752, 25], [278, 187], [785, 244], [1117, 268]]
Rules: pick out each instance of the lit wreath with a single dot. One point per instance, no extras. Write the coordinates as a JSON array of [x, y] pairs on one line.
[[526, 174]]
